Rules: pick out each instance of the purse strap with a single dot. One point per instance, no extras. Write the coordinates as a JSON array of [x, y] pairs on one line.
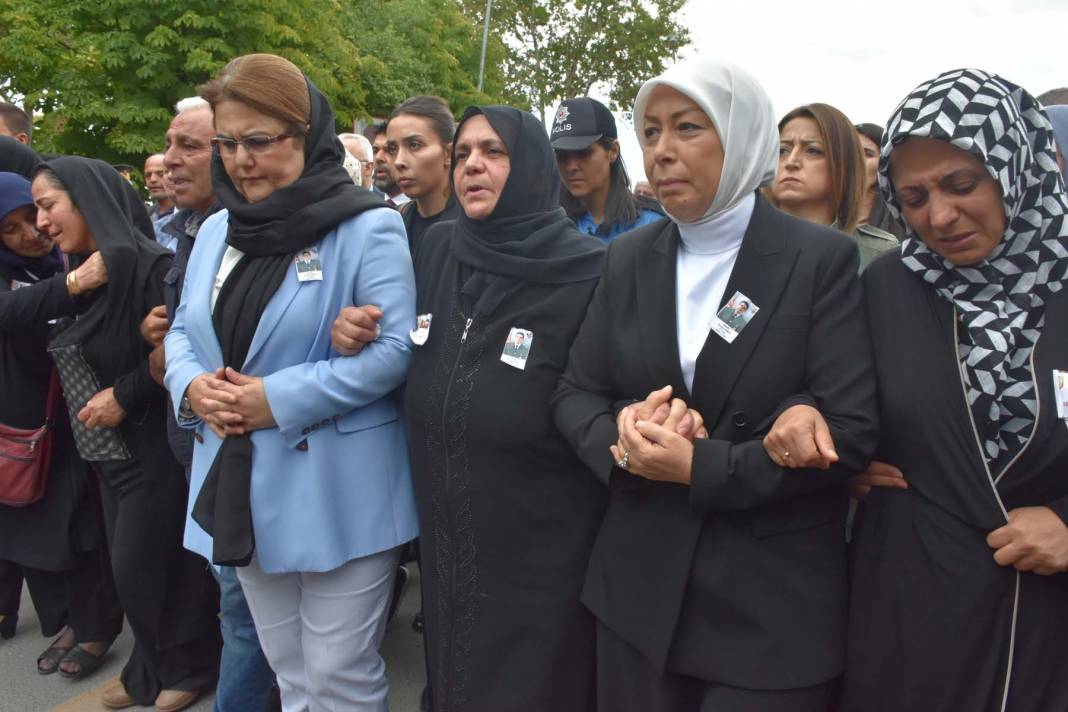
[[52, 397]]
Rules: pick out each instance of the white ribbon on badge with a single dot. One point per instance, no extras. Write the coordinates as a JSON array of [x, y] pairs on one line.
[[421, 332]]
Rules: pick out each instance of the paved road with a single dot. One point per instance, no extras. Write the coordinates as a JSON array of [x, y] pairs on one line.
[[23, 690]]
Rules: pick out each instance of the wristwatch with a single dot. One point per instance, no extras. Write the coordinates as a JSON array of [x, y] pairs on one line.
[[185, 409]]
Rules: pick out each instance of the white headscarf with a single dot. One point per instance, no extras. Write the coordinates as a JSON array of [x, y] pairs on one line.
[[744, 119]]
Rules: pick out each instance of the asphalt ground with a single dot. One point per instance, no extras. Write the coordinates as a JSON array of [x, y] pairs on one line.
[[23, 690]]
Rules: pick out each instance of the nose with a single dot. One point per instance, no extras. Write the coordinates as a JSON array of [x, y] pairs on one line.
[[170, 157], [792, 159], [942, 210], [243, 157], [42, 221], [567, 162]]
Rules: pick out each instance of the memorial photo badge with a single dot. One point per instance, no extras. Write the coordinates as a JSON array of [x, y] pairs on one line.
[[517, 348], [309, 268], [421, 332], [734, 316]]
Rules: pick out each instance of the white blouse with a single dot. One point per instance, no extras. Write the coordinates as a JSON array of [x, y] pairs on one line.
[[707, 253]]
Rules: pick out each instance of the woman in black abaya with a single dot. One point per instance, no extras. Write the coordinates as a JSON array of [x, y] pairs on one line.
[[507, 510], [117, 414]]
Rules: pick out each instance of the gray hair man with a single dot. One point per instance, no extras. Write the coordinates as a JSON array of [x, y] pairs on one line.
[[360, 149]]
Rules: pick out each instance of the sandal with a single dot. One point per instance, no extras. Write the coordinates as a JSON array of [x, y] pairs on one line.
[[48, 661], [86, 661]]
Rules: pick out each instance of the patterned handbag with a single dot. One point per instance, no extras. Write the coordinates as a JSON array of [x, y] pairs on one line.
[[79, 385], [25, 456]]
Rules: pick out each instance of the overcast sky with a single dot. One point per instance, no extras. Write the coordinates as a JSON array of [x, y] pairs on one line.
[[864, 57]]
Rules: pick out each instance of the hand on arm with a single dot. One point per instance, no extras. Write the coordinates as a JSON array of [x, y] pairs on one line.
[[354, 328], [800, 438], [102, 411], [154, 326], [1035, 539]]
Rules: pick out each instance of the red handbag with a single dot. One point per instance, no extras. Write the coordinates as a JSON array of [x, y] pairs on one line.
[[25, 456]]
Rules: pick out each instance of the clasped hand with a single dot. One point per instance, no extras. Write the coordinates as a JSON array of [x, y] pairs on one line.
[[656, 436], [230, 402]]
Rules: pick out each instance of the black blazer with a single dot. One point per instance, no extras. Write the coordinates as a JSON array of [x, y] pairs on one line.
[[741, 577]]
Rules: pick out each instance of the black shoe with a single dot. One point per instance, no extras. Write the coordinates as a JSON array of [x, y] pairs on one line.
[[7, 627], [417, 622], [400, 583]]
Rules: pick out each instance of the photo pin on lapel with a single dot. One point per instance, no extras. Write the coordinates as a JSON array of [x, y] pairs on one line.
[[734, 316], [421, 333]]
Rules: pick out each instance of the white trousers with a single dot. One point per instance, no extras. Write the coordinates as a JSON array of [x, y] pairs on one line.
[[321, 632]]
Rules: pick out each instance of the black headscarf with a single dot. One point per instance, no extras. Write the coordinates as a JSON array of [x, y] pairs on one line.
[[102, 197], [268, 232], [17, 157], [528, 237]]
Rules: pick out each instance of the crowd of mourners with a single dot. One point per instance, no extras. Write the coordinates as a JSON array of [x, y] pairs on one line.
[[784, 429]]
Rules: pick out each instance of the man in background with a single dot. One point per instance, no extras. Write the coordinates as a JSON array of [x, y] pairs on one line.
[[360, 149], [162, 206], [15, 122], [384, 180]]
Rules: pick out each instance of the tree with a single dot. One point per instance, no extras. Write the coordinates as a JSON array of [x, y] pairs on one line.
[[424, 47], [103, 75], [561, 48]]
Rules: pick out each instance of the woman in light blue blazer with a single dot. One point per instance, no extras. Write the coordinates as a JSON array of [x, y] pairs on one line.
[[300, 471]]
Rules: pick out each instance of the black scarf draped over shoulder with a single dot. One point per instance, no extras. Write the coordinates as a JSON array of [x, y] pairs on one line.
[[113, 214], [269, 232], [528, 237]]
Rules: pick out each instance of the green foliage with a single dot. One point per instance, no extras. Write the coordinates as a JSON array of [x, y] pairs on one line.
[[561, 48], [424, 47], [102, 76]]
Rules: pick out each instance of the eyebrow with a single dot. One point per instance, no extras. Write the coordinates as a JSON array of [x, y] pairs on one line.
[[483, 143], [677, 114]]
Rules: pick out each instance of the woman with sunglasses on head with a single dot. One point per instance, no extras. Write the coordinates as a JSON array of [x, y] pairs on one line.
[[718, 578], [117, 414], [419, 142], [596, 191], [821, 176], [300, 474], [960, 551]]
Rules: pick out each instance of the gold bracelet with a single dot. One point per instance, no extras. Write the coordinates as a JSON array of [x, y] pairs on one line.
[[72, 283]]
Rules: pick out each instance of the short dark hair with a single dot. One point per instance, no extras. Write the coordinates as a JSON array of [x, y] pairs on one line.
[[432, 108], [17, 120], [374, 130], [621, 208], [1054, 97]]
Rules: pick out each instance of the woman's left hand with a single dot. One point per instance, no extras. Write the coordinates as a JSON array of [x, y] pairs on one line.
[[102, 411], [1035, 539], [251, 403], [653, 451]]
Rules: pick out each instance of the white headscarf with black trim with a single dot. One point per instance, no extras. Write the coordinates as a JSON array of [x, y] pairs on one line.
[[744, 118], [1001, 301]]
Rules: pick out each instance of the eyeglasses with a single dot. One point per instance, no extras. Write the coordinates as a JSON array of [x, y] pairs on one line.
[[225, 146]]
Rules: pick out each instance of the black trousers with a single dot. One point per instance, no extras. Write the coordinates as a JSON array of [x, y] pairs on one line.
[[626, 682], [82, 597], [10, 587], [167, 592]]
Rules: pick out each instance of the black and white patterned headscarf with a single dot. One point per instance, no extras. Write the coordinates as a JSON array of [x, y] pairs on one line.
[[1000, 302]]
